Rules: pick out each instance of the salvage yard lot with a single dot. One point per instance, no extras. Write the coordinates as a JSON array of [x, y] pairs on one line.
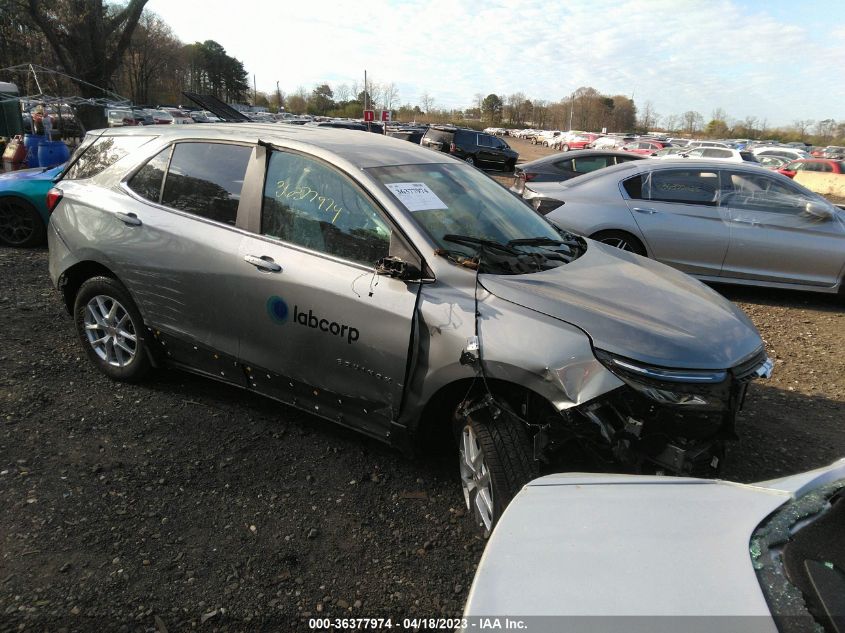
[[180, 502]]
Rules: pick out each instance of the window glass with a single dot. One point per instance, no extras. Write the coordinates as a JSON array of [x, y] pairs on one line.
[[760, 192], [825, 167], [565, 165], [634, 187], [308, 203], [697, 153], [206, 179], [484, 140], [690, 186], [457, 199], [147, 181], [103, 153], [588, 164], [792, 166]]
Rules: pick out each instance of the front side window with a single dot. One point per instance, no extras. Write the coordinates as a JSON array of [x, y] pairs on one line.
[[205, 179], [308, 203], [102, 153], [484, 140], [760, 192]]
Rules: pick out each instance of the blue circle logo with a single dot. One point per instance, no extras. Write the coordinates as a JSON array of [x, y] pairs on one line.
[[277, 309]]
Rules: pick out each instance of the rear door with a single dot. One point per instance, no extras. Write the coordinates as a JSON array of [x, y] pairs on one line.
[[774, 237], [176, 237], [678, 213], [318, 327]]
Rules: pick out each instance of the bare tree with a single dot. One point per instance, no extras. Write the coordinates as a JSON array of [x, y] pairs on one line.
[[671, 122], [89, 37], [426, 102], [692, 121], [151, 51], [825, 129], [648, 117], [390, 95], [801, 126], [341, 93]]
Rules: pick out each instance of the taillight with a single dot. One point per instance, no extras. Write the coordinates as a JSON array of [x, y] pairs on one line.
[[528, 176], [54, 196], [452, 148]]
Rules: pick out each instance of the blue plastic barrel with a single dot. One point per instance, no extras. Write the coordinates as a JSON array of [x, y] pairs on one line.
[[31, 141], [52, 153]]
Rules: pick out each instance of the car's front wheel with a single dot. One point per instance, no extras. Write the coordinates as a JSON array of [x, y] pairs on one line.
[[564, 148], [111, 329], [20, 224], [496, 459], [470, 160]]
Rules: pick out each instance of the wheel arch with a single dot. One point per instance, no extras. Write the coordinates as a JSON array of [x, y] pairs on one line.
[[71, 280]]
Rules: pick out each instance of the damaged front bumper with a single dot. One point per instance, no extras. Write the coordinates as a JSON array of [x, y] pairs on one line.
[[660, 420]]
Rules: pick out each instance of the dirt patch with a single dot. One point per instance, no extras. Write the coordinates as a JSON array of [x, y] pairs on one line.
[[181, 503]]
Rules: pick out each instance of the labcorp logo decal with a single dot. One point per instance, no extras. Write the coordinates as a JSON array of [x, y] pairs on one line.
[[277, 309], [279, 312]]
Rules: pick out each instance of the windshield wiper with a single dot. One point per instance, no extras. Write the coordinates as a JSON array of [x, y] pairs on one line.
[[468, 240]]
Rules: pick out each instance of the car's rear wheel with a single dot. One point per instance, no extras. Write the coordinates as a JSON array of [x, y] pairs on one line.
[[111, 329], [496, 459], [20, 224], [510, 165], [621, 240], [470, 160], [564, 148]]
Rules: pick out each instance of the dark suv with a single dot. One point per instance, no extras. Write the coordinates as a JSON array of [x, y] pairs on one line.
[[476, 148]]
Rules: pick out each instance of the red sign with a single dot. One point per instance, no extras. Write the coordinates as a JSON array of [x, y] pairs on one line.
[[385, 115], [369, 115]]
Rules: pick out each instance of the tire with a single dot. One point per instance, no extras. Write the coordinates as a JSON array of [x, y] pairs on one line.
[[510, 165], [621, 240], [20, 224], [495, 459], [564, 148], [470, 160], [111, 329]]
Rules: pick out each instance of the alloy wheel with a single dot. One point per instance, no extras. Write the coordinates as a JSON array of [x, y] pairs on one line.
[[110, 331], [16, 223], [475, 479], [618, 242]]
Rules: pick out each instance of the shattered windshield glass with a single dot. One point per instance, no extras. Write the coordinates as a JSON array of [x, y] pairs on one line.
[[475, 222]]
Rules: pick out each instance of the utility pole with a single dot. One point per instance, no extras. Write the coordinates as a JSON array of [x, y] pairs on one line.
[[254, 91], [571, 110]]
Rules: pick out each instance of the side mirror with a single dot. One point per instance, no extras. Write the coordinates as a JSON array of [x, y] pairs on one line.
[[818, 210], [397, 268]]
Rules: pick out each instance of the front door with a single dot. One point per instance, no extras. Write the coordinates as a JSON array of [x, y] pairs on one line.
[[775, 238], [318, 327]]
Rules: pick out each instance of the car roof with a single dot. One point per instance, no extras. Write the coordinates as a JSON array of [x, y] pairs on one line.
[[578, 153], [358, 148], [649, 165]]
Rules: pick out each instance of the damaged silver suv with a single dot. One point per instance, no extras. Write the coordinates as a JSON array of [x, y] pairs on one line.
[[398, 292]]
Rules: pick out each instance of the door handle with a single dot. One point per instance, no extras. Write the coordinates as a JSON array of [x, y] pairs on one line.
[[264, 263], [644, 210], [129, 218], [744, 221]]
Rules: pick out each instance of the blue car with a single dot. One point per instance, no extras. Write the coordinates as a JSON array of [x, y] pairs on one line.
[[23, 205]]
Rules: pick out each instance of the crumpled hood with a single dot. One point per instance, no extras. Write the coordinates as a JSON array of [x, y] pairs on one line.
[[637, 308]]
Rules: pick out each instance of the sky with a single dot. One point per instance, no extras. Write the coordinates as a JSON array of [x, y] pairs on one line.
[[776, 60]]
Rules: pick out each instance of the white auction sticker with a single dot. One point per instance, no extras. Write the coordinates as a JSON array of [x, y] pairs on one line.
[[416, 196]]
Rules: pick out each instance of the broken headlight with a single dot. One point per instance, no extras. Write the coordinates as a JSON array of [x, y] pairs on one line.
[[675, 387]]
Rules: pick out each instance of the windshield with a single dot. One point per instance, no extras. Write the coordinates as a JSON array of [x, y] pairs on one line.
[[457, 200]]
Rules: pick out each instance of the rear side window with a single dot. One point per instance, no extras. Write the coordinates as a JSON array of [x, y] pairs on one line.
[[147, 181], [634, 187], [440, 136], [588, 164], [690, 186], [102, 154], [206, 179], [751, 158]]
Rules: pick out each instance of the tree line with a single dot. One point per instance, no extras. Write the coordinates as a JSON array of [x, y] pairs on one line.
[[126, 50]]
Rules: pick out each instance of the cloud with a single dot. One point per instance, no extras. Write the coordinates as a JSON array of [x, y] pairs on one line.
[[693, 55]]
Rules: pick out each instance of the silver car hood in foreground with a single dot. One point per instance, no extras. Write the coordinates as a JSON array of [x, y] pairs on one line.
[[637, 308], [628, 545]]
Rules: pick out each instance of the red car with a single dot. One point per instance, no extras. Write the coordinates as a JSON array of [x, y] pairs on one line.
[[647, 148], [820, 165], [582, 141]]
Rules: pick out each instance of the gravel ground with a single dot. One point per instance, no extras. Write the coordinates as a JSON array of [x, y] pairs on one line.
[[181, 504]]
